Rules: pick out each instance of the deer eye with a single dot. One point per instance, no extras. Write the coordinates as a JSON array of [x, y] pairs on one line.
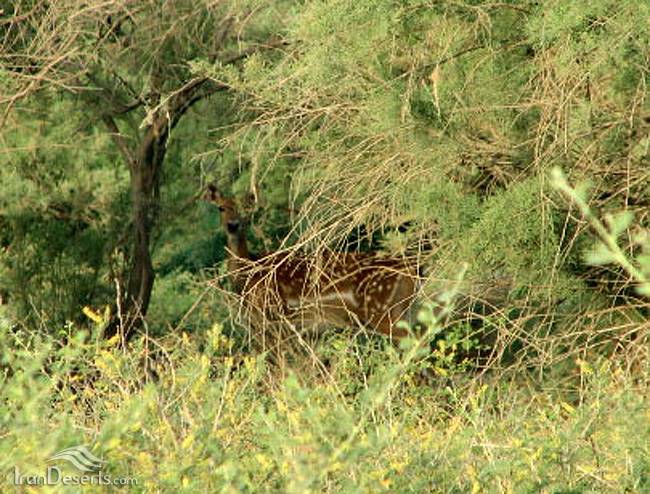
[[222, 209]]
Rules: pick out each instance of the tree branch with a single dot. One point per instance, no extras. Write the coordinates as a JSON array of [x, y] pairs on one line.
[[119, 139], [240, 55], [188, 95]]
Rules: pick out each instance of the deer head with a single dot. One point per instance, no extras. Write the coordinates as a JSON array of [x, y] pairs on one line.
[[231, 221]]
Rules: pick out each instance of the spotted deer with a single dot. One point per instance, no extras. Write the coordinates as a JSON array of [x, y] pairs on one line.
[[337, 288]]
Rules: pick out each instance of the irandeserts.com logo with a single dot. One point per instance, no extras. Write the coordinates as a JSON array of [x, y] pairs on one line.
[[82, 460]]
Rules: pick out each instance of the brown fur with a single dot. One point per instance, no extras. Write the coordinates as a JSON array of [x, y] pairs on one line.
[[338, 288]]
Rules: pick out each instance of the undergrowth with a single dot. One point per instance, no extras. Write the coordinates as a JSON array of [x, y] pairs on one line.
[[214, 420]]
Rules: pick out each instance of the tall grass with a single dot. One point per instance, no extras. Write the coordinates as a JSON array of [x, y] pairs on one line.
[[195, 415]]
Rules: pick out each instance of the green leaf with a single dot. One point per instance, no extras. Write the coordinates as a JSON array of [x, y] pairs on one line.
[[644, 262], [644, 289], [582, 191], [599, 254], [557, 177], [619, 222]]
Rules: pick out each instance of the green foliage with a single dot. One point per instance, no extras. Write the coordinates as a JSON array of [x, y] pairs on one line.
[[61, 204], [213, 423], [447, 118], [425, 128], [443, 117], [607, 249], [515, 237]]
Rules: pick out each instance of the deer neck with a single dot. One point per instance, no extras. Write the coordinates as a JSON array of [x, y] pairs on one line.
[[238, 257], [237, 244]]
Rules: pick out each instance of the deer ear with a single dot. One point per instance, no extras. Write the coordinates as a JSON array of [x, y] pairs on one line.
[[248, 202], [211, 193], [250, 199]]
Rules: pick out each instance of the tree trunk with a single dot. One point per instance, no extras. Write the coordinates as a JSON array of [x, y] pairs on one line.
[[145, 166], [145, 191]]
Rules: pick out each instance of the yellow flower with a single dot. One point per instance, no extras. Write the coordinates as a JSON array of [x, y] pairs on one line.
[[187, 442], [385, 483], [584, 366], [92, 315]]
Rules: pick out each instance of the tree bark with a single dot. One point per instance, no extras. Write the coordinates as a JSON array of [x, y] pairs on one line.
[[145, 167], [145, 187]]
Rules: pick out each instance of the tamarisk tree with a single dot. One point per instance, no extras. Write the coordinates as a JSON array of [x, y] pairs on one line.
[[128, 67]]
